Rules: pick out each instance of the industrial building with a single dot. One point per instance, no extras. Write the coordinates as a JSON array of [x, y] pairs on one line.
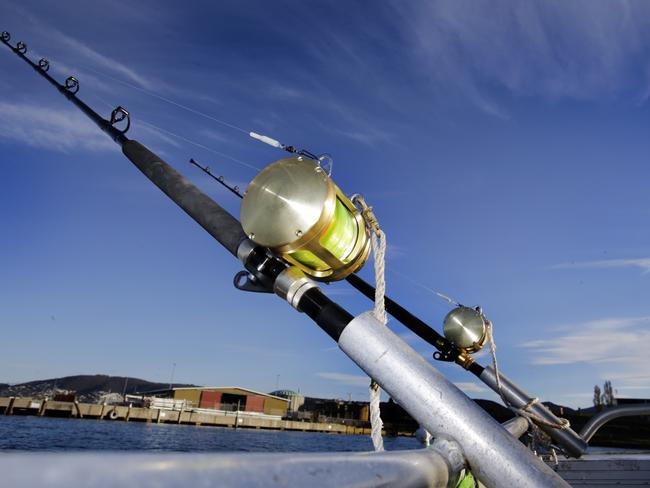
[[296, 400], [338, 411], [229, 398]]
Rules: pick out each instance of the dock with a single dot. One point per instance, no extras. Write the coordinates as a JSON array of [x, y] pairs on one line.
[[51, 408]]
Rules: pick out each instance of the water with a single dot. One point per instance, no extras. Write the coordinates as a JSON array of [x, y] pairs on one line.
[[53, 434]]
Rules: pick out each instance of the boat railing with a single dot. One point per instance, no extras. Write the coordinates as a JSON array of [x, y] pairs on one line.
[[408, 469], [600, 419]]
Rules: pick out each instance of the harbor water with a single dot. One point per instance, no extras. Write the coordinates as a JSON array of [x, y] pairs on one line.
[[63, 434]]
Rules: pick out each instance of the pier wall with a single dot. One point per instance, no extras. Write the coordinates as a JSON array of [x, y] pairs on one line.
[[50, 408]]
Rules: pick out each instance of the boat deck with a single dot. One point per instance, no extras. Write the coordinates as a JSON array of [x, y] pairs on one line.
[[608, 469]]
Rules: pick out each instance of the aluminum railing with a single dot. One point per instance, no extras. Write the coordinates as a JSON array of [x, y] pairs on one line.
[[408, 469], [598, 420]]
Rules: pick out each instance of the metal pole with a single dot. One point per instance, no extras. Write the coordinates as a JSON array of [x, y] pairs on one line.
[[496, 457], [171, 379], [517, 426], [423, 468]]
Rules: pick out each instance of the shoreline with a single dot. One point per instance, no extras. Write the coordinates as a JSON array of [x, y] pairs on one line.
[[27, 406]]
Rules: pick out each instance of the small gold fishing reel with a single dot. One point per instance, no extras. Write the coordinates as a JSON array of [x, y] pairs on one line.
[[295, 209], [466, 328]]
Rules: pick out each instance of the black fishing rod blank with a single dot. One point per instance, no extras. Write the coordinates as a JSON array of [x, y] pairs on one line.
[[69, 90]]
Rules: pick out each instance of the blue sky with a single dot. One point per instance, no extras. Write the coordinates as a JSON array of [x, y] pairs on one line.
[[504, 146]]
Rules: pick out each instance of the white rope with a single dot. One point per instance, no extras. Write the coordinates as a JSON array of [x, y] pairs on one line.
[[376, 424], [378, 242]]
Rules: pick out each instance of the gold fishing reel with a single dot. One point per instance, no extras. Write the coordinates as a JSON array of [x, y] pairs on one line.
[[295, 209], [468, 329]]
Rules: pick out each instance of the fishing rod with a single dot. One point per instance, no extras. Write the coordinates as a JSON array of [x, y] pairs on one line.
[[287, 271], [219, 179]]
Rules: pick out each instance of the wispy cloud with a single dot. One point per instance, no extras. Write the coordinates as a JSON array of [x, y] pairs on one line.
[[611, 347], [367, 135], [105, 62], [50, 128], [346, 379], [216, 136], [580, 49], [80, 50], [629, 378], [612, 340], [642, 263], [284, 92]]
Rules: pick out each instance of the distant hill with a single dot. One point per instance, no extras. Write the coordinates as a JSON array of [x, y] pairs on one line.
[[89, 388]]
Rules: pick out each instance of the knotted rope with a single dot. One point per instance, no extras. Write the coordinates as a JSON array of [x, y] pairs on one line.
[[524, 411], [378, 244]]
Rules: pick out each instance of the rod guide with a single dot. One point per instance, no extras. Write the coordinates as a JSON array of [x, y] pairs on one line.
[[72, 84], [118, 115]]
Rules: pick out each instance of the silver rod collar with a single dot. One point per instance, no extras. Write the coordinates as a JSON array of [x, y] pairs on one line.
[[291, 285]]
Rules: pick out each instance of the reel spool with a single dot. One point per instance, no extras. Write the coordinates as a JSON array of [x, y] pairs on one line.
[[295, 209]]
